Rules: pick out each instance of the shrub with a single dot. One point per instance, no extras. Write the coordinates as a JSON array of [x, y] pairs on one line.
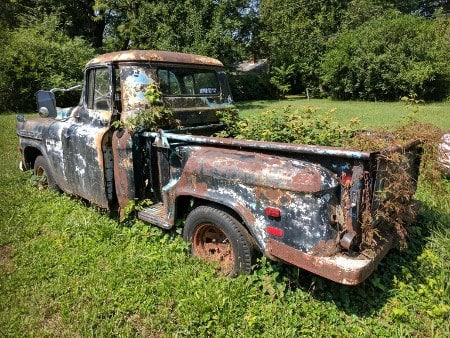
[[38, 57], [307, 127], [390, 57]]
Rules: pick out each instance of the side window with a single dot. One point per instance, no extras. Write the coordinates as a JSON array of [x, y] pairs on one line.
[[99, 97]]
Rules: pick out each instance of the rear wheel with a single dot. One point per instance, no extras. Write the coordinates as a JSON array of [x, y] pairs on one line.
[[43, 174], [218, 237]]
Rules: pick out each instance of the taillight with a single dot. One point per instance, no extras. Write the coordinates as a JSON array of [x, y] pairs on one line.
[[272, 212], [274, 231]]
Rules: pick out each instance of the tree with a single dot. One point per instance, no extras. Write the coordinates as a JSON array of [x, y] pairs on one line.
[[215, 28], [389, 57], [280, 77], [75, 18], [38, 57], [296, 33]]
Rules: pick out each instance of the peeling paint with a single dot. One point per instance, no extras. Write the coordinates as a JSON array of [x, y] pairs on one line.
[[318, 193]]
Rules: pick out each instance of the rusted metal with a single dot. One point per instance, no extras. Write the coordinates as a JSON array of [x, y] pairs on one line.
[[340, 268], [271, 146], [156, 56], [249, 182], [123, 167], [212, 245]]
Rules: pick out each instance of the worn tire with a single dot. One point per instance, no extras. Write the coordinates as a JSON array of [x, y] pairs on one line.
[[43, 174], [216, 236]]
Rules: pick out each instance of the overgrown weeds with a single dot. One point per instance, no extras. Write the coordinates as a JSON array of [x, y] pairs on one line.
[[396, 206], [308, 127]]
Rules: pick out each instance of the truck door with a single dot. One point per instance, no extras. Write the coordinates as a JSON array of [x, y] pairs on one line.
[[86, 140]]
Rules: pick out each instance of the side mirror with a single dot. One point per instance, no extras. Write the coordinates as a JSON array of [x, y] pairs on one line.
[[46, 103]]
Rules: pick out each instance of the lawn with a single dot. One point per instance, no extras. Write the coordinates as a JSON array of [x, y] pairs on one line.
[[69, 269], [371, 114]]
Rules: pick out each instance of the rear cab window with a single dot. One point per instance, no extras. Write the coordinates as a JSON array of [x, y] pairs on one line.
[[188, 82]]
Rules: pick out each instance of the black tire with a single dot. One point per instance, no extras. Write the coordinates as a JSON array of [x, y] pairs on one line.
[[43, 174], [216, 236]]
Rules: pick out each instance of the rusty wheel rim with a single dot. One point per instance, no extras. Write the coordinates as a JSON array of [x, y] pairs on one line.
[[41, 178], [212, 245]]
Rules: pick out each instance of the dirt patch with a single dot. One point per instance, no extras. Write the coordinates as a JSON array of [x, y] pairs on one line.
[[6, 253]]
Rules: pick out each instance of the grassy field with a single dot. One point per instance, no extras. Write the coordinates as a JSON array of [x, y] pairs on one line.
[[371, 114], [67, 269]]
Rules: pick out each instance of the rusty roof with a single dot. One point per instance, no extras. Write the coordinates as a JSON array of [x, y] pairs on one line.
[[156, 56]]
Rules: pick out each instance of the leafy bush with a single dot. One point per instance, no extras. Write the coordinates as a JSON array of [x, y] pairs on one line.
[[390, 57], [307, 127], [38, 57]]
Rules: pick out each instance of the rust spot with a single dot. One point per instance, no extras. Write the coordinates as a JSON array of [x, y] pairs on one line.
[[325, 248], [156, 56], [339, 268], [123, 174]]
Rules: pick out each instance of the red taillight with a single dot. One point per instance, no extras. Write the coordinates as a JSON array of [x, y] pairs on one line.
[[274, 231], [272, 212], [346, 180]]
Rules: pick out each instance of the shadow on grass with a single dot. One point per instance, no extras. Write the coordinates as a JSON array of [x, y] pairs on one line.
[[370, 296], [252, 104], [249, 105]]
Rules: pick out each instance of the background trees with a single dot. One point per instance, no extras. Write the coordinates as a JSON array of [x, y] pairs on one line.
[[411, 58], [347, 49]]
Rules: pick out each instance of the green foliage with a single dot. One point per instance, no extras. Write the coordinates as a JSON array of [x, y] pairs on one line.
[[294, 32], [153, 117], [390, 57], [280, 77], [39, 57], [251, 86], [307, 127], [214, 28]]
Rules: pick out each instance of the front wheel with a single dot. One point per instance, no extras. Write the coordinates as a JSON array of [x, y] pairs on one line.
[[43, 174], [218, 237]]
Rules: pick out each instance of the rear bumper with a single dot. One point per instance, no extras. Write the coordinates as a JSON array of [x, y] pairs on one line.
[[340, 268]]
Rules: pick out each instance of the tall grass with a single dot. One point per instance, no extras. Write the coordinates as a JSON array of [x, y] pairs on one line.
[[68, 269]]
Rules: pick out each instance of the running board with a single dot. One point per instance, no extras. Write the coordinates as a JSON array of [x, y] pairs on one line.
[[157, 215]]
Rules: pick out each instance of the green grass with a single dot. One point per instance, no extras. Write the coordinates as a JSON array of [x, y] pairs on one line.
[[67, 269], [371, 114]]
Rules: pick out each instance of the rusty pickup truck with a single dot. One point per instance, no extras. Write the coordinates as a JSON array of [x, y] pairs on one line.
[[299, 204]]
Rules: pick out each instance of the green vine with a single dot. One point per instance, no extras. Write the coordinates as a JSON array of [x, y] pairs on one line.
[[152, 118]]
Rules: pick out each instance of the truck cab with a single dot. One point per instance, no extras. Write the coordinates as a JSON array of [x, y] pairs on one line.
[[77, 141]]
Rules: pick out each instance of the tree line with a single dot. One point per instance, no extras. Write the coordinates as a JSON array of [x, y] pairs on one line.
[[345, 49]]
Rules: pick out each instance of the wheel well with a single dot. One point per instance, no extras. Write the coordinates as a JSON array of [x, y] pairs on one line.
[[30, 154], [185, 204]]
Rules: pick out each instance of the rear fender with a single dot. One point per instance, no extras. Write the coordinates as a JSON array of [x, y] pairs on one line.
[[248, 183]]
